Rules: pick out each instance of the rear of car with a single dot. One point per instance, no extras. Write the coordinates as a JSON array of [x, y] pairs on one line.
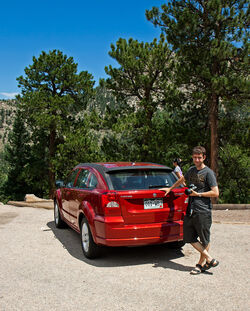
[[120, 204], [134, 211]]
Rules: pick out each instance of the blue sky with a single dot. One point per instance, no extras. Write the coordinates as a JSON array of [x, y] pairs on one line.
[[79, 28]]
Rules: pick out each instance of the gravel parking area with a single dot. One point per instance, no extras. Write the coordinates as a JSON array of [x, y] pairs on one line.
[[231, 216], [42, 268]]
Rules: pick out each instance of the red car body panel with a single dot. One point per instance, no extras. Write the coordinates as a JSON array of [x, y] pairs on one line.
[[130, 224]]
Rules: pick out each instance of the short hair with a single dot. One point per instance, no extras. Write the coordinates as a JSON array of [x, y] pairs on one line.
[[199, 150], [178, 161]]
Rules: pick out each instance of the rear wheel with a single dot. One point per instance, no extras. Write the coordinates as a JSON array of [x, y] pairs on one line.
[[57, 217], [90, 249]]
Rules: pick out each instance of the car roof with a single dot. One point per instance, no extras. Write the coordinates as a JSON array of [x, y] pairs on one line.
[[104, 168], [117, 166]]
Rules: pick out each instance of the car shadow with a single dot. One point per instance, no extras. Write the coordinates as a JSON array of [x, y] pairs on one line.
[[158, 255]]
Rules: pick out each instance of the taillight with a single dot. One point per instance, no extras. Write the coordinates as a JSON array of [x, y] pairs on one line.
[[111, 204], [185, 207]]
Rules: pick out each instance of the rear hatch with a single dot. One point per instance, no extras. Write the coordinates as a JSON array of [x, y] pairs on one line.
[[140, 199]]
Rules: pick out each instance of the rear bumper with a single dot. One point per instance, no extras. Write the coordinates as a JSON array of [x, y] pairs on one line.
[[114, 233]]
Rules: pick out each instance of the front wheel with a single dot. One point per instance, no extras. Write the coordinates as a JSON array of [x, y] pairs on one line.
[[90, 249], [57, 217]]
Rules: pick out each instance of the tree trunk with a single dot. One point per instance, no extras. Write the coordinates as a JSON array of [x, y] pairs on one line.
[[147, 135], [213, 120], [52, 139]]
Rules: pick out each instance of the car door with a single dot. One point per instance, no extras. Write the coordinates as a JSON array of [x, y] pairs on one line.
[[79, 194], [67, 193]]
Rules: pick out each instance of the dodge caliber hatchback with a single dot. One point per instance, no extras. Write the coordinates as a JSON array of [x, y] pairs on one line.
[[120, 204]]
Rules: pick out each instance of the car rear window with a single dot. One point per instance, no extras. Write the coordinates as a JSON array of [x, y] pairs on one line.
[[141, 179]]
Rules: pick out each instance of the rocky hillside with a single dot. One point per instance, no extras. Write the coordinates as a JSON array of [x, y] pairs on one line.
[[7, 110]]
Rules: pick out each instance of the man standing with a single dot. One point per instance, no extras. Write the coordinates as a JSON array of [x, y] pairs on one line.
[[198, 220]]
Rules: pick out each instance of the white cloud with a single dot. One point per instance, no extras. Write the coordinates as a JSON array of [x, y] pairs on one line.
[[9, 95]]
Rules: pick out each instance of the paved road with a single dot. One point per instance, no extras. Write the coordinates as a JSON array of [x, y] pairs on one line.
[[42, 268]]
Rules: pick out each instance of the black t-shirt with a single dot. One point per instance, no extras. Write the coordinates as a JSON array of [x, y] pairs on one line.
[[204, 180]]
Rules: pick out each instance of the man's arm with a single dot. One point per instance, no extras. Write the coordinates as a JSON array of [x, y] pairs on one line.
[[213, 193], [175, 185]]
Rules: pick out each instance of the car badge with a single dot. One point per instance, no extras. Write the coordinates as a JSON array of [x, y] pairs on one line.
[[154, 195]]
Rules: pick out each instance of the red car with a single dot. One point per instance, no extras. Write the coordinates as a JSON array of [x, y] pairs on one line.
[[119, 204]]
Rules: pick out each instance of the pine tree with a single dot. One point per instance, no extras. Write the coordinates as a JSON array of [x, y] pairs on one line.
[[209, 38], [52, 95], [17, 156], [143, 81]]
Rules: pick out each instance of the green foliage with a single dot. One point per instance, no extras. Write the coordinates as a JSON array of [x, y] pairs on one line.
[[143, 80], [234, 154], [53, 93], [234, 125], [144, 74], [210, 40], [36, 170], [4, 168], [234, 175], [17, 155], [79, 146]]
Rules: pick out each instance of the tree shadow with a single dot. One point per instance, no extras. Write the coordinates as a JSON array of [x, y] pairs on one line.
[[160, 256]]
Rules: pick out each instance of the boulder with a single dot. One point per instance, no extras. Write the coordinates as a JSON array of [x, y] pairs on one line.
[[31, 198]]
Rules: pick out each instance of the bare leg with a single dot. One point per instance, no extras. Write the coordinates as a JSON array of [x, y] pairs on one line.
[[202, 257], [203, 251]]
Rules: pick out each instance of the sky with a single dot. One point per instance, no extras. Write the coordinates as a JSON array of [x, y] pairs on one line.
[[81, 29]]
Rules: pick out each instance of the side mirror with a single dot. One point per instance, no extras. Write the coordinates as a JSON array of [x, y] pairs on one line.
[[59, 184]]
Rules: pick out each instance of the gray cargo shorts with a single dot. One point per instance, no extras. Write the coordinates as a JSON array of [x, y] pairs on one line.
[[197, 226]]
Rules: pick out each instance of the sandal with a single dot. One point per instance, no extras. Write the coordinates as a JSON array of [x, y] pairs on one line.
[[197, 270], [212, 264]]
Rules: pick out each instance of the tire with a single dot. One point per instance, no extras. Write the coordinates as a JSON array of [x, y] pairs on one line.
[[90, 249], [59, 223], [176, 245]]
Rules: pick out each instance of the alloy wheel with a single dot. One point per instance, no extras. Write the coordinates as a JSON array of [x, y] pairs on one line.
[[85, 237], [56, 213]]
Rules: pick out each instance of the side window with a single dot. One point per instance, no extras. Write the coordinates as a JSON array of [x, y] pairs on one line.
[[69, 183], [82, 179], [93, 181]]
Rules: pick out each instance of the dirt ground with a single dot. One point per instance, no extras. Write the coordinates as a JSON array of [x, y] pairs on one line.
[[231, 216], [43, 268]]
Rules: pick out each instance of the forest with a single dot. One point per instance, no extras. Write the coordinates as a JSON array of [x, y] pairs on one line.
[[186, 88]]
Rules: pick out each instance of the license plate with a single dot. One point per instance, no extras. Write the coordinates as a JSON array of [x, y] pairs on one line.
[[153, 203]]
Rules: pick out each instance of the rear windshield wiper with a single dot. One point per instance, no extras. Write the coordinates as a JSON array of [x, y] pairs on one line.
[[157, 186]]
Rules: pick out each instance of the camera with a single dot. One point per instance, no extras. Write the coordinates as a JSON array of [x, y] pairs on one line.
[[190, 188]]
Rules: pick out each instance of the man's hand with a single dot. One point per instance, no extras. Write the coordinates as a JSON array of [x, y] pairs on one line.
[[175, 185], [167, 190], [194, 194]]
